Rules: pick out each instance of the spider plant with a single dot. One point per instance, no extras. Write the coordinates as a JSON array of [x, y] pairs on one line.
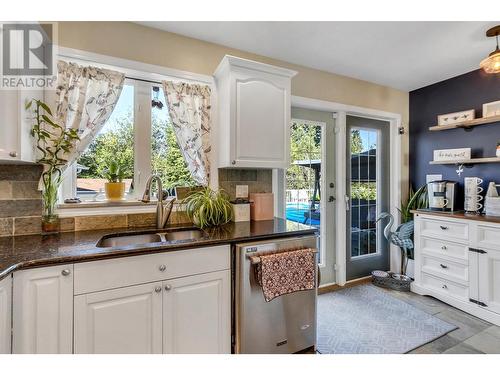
[[208, 208]]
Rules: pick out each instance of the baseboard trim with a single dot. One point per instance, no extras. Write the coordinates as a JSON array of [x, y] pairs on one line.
[[350, 283]]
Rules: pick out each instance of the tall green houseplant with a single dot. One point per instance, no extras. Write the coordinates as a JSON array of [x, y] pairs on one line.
[[53, 142]]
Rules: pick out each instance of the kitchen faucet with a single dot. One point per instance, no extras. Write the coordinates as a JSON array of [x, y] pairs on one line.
[[162, 212]]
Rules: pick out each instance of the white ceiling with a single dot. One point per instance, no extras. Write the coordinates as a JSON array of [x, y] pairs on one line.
[[403, 55]]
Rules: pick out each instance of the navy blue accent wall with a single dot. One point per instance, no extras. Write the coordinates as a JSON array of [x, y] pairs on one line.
[[467, 91]]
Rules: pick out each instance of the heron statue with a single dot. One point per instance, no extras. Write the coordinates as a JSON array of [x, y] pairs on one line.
[[402, 237]]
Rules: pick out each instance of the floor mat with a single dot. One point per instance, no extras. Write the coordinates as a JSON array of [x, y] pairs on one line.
[[365, 319]]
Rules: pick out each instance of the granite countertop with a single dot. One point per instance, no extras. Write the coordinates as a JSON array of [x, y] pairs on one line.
[[459, 215], [23, 252]]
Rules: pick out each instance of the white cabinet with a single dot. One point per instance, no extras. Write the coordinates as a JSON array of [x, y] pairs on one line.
[[16, 143], [43, 310], [489, 279], [5, 314], [458, 261], [121, 321], [253, 101], [197, 314]]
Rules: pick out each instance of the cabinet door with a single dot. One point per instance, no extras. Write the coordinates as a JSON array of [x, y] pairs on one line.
[[197, 314], [262, 122], [124, 320], [43, 310], [5, 314], [489, 279]]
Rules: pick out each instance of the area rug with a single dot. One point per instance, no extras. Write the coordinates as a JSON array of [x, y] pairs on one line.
[[366, 320]]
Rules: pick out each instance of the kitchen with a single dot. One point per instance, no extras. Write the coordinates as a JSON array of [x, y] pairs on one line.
[[173, 217]]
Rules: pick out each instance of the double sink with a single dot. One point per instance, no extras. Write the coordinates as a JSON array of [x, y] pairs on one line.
[[181, 234]]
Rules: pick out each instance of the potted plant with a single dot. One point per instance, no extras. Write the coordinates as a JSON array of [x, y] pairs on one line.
[[53, 142], [416, 200], [208, 208], [115, 187]]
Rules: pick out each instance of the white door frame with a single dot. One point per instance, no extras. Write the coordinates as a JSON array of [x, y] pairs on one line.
[[342, 111]]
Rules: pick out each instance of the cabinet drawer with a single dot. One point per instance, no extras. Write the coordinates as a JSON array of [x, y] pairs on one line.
[[446, 269], [445, 249], [488, 236], [445, 286], [451, 230], [115, 273]]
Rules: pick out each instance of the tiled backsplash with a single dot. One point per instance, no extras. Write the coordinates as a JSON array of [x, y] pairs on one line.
[[21, 207], [258, 180], [20, 200]]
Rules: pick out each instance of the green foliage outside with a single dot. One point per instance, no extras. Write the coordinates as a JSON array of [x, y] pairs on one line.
[[306, 145], [117, 145]]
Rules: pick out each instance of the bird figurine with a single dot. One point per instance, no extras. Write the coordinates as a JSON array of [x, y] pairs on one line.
[[402, 237]]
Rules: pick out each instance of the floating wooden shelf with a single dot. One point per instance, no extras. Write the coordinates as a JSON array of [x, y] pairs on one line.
[[466, 124], [467, 161]]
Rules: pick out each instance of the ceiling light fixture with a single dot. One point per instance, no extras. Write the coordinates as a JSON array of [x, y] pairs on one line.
[[491, 64]]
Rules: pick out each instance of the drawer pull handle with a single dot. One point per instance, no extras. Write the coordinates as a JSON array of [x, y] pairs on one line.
[[162, 268], [444, 247], [443, 266], [444, 286], [65, 272], [443, 227]]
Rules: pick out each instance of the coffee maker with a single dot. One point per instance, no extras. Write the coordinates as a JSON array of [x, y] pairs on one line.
[[442, 195]]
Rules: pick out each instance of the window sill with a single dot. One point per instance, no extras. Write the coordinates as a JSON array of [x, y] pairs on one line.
[[105, 208]]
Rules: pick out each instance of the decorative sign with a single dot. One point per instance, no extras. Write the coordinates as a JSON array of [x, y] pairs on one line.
[[456, 117], [452, 154], [491, 109]]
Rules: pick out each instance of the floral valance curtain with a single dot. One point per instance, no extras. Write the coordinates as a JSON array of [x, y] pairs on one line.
[[189, 110], [85, 97]]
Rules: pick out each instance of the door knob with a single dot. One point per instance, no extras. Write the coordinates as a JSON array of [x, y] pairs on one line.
[[65, 272], [168, 287]]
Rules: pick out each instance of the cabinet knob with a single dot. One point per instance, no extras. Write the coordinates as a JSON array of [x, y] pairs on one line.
[[444, 286], [13, 154], [162, 268], [443, 227], [158, 289], [444, 247], [233, 162], [168, 287], [443, 266], [65, 272]]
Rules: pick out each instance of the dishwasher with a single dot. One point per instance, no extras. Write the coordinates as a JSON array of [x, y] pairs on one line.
[[287, 324]]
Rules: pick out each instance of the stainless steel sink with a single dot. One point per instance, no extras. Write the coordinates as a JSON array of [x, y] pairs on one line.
[[181, 234], [185, 234], [131, 239]]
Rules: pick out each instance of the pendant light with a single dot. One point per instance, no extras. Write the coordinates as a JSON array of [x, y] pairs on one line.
[[491, 64]]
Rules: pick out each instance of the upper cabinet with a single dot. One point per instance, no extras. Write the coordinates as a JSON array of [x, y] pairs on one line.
[[16, 143], [253, 101]]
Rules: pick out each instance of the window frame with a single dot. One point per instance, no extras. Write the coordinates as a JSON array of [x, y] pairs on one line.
[[136, 72]]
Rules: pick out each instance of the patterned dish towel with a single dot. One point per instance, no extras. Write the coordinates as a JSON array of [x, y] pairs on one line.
[[285, 272]]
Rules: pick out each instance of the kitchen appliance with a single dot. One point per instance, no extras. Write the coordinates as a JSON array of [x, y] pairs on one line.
[[287, 324], [442, 195], [261, 206], [473, 198]]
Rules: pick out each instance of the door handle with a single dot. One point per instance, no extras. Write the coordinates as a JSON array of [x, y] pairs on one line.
[[347, 203]]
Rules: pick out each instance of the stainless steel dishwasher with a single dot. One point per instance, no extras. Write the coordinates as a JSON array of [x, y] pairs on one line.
[[287, 324]]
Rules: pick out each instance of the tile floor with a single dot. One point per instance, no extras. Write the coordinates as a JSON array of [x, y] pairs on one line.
[[473, 336]]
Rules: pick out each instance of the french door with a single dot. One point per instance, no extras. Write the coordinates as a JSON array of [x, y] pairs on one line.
[[309, 181], [367, 195]]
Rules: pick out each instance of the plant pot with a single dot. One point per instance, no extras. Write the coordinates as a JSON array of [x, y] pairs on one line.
[[115, 191], [50, 224]]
